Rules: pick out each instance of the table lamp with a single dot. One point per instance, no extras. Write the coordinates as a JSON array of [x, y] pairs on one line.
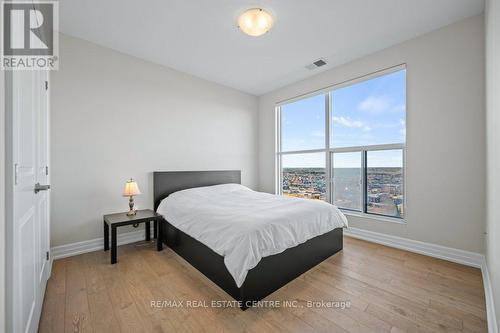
[[130, 190]]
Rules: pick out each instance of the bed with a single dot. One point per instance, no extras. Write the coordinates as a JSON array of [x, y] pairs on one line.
[[269, 274]]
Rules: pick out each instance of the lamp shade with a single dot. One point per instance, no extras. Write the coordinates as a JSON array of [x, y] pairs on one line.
[[131, 188]]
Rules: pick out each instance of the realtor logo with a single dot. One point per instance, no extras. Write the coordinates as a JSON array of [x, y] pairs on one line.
[[29, 35]]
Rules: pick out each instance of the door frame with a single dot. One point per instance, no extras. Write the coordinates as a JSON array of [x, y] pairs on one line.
[[3, 215], [9, 202]]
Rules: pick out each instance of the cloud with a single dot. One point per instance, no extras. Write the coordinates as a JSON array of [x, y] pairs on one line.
[[348, 122], [374, 104]]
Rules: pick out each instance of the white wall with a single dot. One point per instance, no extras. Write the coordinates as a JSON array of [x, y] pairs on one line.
[[493, 146], [114, 117], [445, 133]]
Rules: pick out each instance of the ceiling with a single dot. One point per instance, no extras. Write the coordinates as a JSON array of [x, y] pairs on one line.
[[200, 37]]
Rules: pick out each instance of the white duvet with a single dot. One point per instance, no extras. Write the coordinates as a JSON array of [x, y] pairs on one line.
[[244, 226]]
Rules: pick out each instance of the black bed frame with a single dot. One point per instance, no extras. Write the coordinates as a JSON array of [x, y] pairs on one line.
[[270, 274]]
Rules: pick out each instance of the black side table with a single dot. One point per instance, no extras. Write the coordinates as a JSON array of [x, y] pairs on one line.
[[120, 219]]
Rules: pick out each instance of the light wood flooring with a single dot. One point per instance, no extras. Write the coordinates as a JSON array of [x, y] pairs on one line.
[[389, 290]]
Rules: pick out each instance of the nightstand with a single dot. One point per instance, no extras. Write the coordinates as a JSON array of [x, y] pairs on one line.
[[114, 221]]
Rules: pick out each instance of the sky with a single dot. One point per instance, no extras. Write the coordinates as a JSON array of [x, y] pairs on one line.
[[370, 112]]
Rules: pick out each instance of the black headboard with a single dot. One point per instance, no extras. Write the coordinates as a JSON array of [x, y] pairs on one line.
[[167, 182]]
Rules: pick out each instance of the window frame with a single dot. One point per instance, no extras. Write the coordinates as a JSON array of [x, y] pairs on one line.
[[329, 152]]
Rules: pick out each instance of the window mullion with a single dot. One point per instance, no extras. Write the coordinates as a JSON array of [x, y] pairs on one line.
[[328, 161], [279, 185], [391, 146], [364, 182]]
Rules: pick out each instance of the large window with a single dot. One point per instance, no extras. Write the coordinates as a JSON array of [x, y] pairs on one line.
[[347, 145]]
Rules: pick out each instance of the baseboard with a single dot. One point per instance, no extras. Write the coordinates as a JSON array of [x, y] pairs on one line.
[[73, 249], [437, 251], [490, 305]]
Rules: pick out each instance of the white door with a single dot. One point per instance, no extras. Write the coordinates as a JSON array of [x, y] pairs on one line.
[[31, 208]]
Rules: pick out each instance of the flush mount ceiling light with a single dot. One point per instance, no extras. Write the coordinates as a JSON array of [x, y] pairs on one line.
[[255, 22]]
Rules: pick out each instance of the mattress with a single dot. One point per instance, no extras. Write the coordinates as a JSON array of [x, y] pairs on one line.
[[245, 226]]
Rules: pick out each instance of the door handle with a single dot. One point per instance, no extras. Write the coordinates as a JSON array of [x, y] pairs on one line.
[[39, 187]]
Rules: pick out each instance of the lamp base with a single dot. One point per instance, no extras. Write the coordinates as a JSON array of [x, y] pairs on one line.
[[131, 211]]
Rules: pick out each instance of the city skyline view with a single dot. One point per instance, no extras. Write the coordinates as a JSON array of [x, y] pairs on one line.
[[385, 193]]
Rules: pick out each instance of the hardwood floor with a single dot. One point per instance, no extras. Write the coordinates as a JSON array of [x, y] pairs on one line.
[[388, 290]]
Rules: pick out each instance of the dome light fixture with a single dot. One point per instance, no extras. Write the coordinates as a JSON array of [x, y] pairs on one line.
[[255, 22]]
